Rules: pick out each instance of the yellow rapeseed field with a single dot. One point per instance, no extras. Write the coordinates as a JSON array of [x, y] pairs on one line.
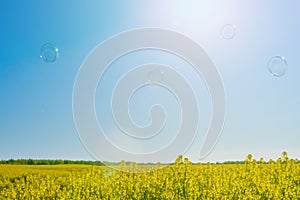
[[182, 180]]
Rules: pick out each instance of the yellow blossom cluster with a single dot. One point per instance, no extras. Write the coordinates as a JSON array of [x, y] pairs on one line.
[[182, 180]]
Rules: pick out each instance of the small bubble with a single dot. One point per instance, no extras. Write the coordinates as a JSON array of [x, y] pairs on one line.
[[49, 53], [277, 66], [155, 76], [228, 31]]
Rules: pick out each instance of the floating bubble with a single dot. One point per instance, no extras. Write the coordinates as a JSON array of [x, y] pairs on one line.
[[155, 76], [277, 66], [228, 31], [49, 53]]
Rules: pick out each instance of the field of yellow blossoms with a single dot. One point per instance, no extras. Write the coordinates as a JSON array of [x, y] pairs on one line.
[[252, 179]]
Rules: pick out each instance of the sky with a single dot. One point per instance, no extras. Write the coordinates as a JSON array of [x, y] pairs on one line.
[[241, 38]]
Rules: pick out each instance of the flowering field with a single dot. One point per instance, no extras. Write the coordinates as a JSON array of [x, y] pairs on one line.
[[182, 180]]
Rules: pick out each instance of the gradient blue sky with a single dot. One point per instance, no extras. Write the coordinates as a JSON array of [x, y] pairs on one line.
[[263, 111]]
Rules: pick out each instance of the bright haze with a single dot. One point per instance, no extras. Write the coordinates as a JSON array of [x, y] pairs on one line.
[[254, 46]]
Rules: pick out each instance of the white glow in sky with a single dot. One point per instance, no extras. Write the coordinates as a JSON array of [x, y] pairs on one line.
[[262, 110]]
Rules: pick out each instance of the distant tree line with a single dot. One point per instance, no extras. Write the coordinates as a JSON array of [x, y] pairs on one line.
[[179, 160], [49, 162]]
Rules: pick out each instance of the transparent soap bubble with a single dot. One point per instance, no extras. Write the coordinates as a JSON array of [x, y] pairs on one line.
[[156, 76], [49, 53], [228, 31], [277, 66]]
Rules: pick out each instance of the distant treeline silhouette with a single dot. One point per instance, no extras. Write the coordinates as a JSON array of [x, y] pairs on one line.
[[179, 160], [49, 162]]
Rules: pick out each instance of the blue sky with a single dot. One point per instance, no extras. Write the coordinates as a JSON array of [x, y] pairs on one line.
[[262, 111]]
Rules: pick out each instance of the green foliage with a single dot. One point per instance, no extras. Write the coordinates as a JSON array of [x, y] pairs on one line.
[[49, 162]]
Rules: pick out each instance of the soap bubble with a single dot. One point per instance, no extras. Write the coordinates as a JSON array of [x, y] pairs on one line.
[[49, 53], [155, 76], [277, 66], [228, 31]]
